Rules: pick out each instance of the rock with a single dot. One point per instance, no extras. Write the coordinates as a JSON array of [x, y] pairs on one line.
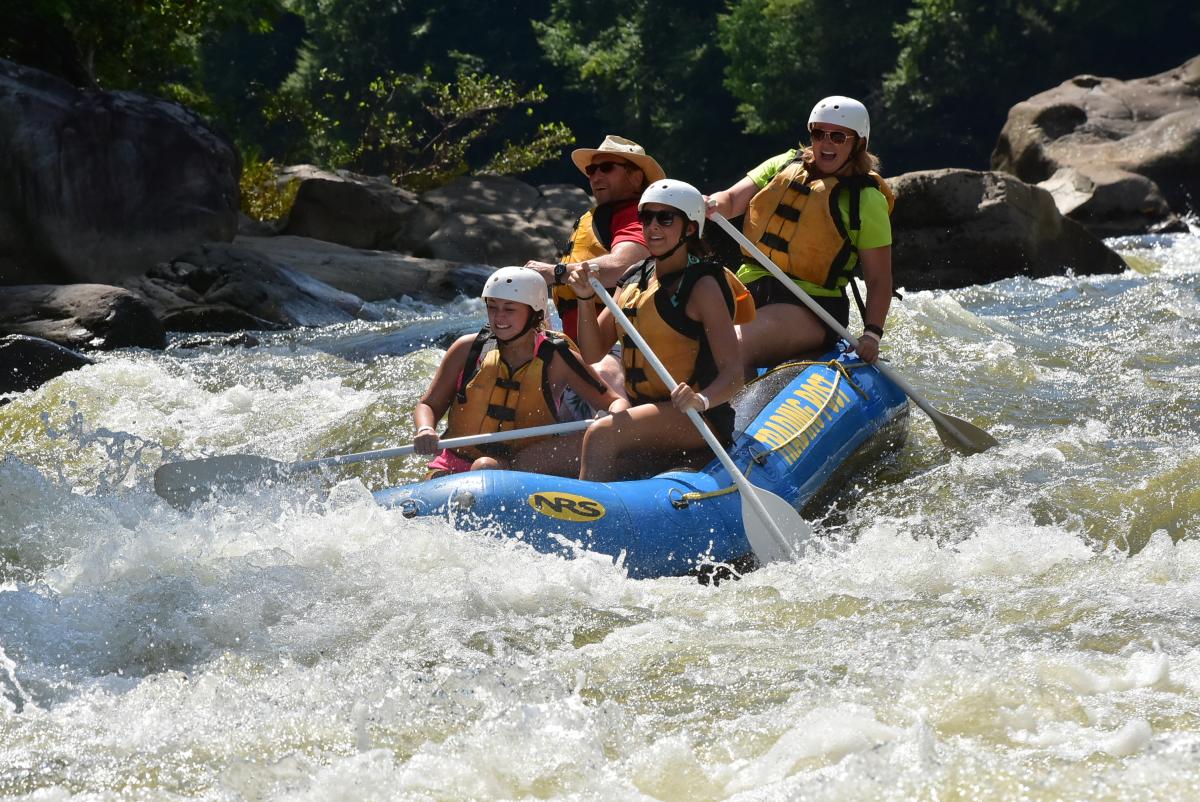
[[490, 239], [486, 219], [98, 186], [484, 194], [371, 275], [358, 211], [955, 228], [27, 363], [241, 339], [1119, 156], [88, 316], [228, 287], [501, 221]]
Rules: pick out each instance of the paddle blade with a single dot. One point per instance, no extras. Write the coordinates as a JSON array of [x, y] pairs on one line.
[[795, 530], [970, 439], [184, 483]]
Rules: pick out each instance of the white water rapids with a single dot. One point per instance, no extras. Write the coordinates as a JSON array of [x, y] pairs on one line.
[[1020, 624]]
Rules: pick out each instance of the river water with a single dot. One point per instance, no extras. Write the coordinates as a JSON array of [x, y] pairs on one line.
[[1020, 624]]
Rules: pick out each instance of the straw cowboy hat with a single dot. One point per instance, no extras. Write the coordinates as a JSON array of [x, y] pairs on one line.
[[625, 148]]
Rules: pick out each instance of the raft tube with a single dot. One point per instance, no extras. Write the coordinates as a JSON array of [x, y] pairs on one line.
[[798, 427]]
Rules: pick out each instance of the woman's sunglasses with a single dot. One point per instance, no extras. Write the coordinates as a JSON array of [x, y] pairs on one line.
[[836, 137], [603, 167], [665, 217]]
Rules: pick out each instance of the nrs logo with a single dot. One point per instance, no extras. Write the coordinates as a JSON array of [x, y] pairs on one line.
[[567, 507]]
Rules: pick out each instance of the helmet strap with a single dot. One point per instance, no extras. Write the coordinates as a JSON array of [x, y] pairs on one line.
[[683, 239]]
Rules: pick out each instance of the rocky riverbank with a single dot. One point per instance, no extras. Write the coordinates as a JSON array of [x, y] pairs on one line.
[[120, 222]]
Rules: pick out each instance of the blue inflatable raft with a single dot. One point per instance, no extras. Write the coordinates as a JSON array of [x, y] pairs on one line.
[[799, 429]]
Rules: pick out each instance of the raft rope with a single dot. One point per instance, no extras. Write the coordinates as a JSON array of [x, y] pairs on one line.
[[760, 457]]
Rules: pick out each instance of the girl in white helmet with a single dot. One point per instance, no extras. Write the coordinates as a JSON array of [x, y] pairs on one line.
[[789, 200], [684, 306], [510, 375]]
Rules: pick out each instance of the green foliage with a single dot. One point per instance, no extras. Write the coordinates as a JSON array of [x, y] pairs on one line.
[[428, 90], [651, 72], [146, 45], [423, 132], [263, 197], [784, 55]]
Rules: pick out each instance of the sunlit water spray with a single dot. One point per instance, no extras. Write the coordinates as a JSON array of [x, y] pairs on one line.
[[1018, 624]]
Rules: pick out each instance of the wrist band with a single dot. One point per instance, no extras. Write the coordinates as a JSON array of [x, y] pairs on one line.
[[585, 297], [703, 400], [872, 335], [876, 330], [423, 428]]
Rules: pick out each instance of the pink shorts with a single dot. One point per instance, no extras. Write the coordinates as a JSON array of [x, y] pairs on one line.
[[449, 462]]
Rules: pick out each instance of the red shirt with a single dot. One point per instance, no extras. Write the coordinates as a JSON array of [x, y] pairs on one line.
[[625, 225], [625, 228]]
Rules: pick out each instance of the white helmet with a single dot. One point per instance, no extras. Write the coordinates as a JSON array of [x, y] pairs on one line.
[[520, 284], [844, 111], [677, 194]]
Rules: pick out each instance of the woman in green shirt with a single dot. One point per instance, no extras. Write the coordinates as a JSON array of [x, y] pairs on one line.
[[789, 200]]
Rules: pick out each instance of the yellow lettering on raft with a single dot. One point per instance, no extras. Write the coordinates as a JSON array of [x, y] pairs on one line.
[[793, 425]]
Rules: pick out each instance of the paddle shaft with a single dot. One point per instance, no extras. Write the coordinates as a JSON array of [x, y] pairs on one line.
[[454, 442], [743, 484], [832, 322]]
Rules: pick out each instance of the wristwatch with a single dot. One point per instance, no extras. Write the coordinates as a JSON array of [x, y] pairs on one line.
[[560, 271]]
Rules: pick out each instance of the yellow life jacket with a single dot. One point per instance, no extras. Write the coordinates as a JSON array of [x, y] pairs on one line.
[[796, 222], [492, 397], [660, 317], [591, 239]]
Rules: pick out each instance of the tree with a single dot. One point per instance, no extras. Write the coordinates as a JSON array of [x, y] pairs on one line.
[[148, 45], [377, 75], [422, 132], [784, 55], [651, 73]]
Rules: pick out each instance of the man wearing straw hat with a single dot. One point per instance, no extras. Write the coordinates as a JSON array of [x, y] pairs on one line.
[[609, 235]]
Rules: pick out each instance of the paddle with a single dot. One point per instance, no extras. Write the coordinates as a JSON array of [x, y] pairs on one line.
[[954, 432], [182, 483], [764, 527]]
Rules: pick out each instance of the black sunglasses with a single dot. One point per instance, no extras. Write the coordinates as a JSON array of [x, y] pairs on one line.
[[836, 137], [604, 167], [665, 217]]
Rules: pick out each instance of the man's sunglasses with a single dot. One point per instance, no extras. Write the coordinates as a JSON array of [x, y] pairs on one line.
[[836, 137], [603, 167], [665, 217]]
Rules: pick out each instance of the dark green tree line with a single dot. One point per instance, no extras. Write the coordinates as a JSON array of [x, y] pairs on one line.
[[425, 91]]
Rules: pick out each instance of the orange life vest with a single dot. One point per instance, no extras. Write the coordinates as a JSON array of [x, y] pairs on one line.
[[660, 317], [795, 220], [493, 397]]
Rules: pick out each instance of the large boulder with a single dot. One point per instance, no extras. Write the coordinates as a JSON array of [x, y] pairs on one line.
[[97, 186], [954, 228], [29, 362], [1118, 156], [357, 211], [486, 219], [371, 275], [87, 316], [497, 221], [228, 287]]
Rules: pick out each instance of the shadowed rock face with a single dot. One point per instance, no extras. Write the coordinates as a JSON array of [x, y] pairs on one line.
[[485, 219], [1118, 156], [228, 287], [954, 228], [29, 362], [88, 316], [96, 186]]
